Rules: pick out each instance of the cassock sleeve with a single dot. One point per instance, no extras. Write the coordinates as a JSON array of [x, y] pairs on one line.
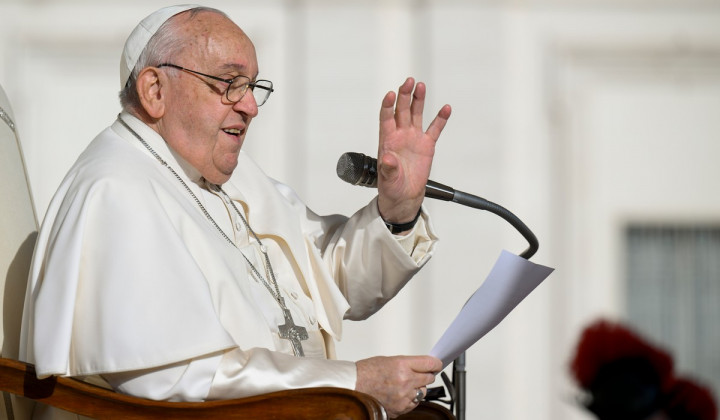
[[233, 374], [368, 263]]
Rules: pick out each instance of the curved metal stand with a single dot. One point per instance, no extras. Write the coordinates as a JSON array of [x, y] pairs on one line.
[[445, 193]]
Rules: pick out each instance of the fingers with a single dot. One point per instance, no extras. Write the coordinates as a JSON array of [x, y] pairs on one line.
[[408, 111], [419, 395], [410, 104], [402, 108], [398, 382], [417, 105], [437, 125], [409, 107], [426, 364], [424, 369], [424, 379], [387, 112]]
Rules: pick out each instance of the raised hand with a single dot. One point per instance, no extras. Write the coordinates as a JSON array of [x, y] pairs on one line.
[[405, 151]]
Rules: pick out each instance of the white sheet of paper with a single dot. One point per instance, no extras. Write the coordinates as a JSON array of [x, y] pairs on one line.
[[511, 279]]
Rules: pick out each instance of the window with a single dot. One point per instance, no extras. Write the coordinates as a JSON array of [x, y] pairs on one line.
[[673, 294]]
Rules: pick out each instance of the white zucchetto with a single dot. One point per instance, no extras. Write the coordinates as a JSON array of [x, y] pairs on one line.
[[140, 36]]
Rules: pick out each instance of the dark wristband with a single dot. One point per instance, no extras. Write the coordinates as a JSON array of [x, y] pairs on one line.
[[396, 228]]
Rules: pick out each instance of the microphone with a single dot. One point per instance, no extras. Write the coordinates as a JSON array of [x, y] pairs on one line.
[[359, 169]]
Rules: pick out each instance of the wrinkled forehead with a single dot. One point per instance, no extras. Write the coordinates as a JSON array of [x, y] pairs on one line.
[[208, 28], [214, 42]]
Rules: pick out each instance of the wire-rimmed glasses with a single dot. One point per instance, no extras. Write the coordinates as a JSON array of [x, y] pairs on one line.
[[237, 86]]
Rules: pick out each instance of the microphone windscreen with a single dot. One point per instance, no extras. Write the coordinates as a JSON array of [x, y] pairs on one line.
[[351, 167]]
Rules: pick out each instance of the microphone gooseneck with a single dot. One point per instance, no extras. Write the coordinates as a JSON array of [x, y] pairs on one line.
[[359, 169]]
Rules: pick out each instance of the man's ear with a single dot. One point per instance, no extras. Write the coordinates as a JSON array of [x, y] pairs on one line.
[[151, 84]]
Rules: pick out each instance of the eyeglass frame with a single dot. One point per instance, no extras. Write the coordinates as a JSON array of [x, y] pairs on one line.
[[250, 84]]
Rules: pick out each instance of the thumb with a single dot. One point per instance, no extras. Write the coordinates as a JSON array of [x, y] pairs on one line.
[[389, 166], [427, 364]]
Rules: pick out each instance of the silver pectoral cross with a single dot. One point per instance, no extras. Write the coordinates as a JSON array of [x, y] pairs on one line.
[[292, 332]]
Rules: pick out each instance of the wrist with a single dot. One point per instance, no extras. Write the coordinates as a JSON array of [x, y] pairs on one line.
[[396, 228]]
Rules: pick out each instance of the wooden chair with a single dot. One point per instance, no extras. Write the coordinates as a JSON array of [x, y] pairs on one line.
[[95, 402], [22, 389]]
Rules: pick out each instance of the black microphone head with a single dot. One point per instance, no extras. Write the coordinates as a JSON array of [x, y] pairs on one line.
[[350, 167], [357, 169]]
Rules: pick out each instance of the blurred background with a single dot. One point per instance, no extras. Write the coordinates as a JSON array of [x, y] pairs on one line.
[[597, 122]]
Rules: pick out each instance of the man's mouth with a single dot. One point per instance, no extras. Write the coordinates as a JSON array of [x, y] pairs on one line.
[[232, 131]]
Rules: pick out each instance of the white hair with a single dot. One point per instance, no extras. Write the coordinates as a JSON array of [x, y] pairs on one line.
[[162, 47]]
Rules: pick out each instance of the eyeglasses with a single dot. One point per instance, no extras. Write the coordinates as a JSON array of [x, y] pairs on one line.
[[237, 86]]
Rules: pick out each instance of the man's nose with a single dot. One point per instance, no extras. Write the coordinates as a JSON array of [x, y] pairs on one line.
[[247, 104]]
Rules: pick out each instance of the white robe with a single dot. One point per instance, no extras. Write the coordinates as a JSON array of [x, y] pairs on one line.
[[129, 275]]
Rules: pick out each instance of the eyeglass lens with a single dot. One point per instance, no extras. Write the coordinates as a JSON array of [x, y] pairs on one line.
[[261, 92]]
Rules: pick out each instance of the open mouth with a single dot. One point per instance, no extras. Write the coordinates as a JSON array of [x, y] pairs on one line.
[[233, 131]]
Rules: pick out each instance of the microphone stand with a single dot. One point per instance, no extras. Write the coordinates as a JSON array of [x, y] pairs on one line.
[[359, 169], [443, 192]]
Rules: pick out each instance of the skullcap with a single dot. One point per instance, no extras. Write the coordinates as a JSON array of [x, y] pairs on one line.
[[140, 36]]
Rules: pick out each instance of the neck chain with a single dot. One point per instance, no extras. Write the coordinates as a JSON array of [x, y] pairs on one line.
[[289, 330]]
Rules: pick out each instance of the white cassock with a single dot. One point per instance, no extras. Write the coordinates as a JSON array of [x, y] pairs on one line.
[[132, 284]]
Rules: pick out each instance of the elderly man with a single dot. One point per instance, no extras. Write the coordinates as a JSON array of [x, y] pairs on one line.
[[169, 266]]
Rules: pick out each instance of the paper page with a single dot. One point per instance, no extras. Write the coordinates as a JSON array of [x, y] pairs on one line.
[[511, 279]]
